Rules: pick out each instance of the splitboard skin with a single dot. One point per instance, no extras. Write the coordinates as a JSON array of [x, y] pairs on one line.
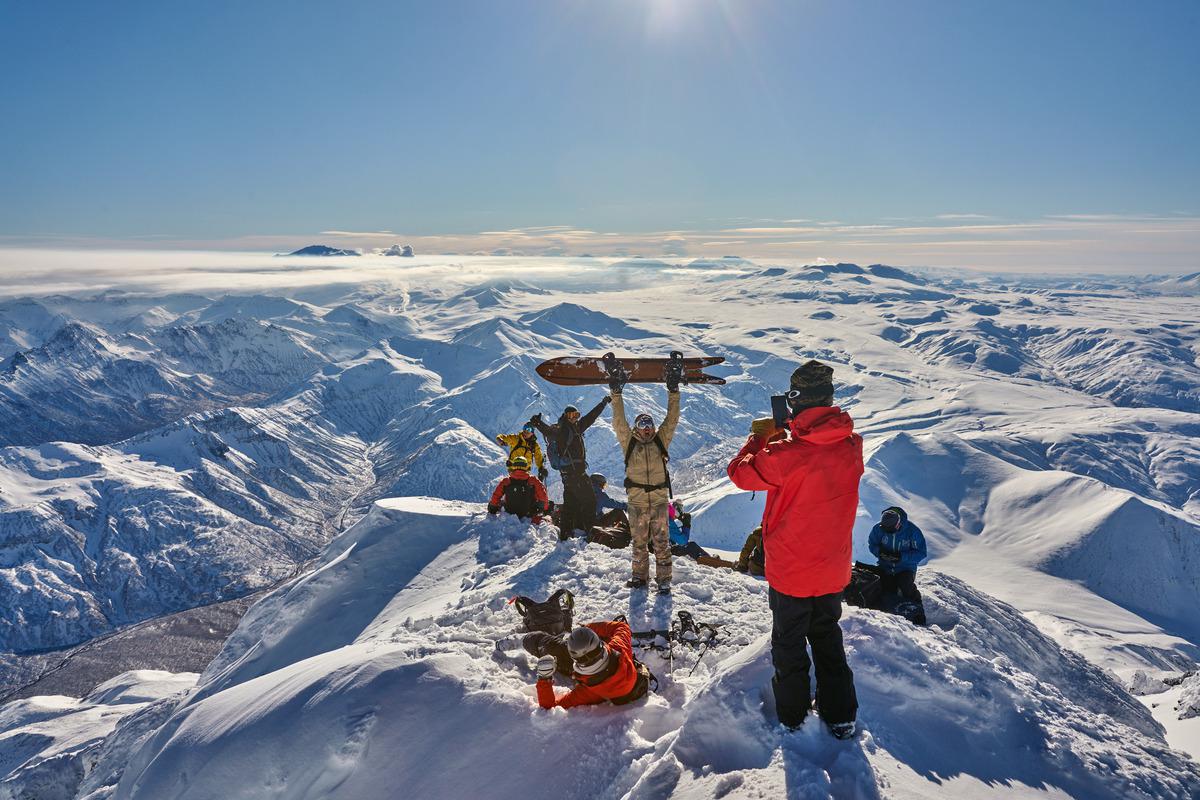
[[574, 371]]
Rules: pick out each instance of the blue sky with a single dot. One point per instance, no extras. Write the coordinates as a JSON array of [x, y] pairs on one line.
[[669, 123]]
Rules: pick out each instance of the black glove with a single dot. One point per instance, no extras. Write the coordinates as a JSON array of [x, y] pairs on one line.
[[616, 384], [672, 380], [493, 509], [536, 419], [543, 473], [889, 555], [607, 399]]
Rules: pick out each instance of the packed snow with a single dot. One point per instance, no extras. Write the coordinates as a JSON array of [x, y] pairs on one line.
[[169, 448]]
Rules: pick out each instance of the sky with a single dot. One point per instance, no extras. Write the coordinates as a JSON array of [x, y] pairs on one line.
[[1018, 135]]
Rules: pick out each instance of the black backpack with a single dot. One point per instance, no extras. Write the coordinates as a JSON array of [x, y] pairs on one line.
[[865, 589], [519, 498], [554, 616]]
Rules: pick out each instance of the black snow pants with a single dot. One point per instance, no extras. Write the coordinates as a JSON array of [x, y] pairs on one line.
[[903, 582], [799, 623], [540, 643], [579, 505]]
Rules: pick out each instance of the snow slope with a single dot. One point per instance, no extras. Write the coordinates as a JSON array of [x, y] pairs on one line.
[[378, 670], [176, 448]]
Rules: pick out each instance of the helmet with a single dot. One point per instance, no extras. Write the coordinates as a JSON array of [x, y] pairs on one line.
[[598, 479], [518, 462], [587, 651]]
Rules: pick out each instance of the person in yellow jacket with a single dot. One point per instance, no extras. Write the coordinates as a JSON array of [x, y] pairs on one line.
[[524, 444], [647, 484]]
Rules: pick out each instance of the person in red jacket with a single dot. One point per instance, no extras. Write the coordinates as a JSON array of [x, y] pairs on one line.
[[602, 665], [520, 493], [811, 479]]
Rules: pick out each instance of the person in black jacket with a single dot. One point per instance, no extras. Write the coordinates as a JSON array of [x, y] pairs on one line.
[[568, 454]]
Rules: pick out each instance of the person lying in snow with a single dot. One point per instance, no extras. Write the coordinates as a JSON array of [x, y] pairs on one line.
[[900, 547], [520, 493], [524, 444], [600, 655]]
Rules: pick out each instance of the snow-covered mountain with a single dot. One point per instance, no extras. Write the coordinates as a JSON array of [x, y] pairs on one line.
[[169, 450]]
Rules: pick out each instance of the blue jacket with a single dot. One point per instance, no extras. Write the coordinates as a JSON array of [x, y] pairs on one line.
[[679, 535], [606, 503], [907, 540]]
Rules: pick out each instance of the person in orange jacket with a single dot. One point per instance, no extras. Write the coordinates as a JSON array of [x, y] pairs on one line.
[[602, 665], [520, 493]]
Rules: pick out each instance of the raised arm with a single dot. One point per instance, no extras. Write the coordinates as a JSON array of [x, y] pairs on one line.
[[620, 422], [667, 430], [587, 419]]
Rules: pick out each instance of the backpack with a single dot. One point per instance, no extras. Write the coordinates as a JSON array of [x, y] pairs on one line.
[[646, 681], [865, 589], [662, 451], [519, 498], [554, 616], [558, 460]]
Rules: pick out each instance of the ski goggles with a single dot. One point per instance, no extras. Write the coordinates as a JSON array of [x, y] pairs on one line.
[[588, 663], [644, 422], [527, 429]]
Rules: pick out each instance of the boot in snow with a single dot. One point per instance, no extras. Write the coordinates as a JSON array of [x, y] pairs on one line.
[[664, 587], [635, 583], [842, 730]]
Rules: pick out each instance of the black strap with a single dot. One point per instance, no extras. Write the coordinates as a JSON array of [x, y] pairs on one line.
[[666, 458]]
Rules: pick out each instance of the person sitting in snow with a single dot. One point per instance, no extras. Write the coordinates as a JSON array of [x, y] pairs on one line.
[[605, 503], [753, 559], [679, 532], [600, 655], [524, 444], [520, 493], [648, 482], [578, 510], [900, 547]]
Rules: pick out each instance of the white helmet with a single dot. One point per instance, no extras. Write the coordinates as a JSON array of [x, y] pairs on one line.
[[587, 651]]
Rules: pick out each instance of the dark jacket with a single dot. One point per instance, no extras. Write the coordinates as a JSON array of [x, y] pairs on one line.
[[907, 543], [569, 438]]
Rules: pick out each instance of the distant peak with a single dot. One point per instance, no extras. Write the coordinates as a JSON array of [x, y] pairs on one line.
[[323, 250]]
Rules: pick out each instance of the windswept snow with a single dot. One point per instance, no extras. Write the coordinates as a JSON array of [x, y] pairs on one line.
[[379, 669], [166, 450]]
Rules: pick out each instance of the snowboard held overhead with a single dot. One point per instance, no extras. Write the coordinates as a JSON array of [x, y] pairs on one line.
[[576, 371]]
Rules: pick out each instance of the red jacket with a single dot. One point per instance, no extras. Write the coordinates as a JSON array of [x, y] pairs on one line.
[[811, 481], [618, 684], [540, 498]]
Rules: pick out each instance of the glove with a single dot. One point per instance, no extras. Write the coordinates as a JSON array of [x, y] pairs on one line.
[[543, 473], [889, 555], [672, 380], [493, 509], [616, 383], [500, 438], [545, 667], [536, 419], [607, 399], [763, 427]]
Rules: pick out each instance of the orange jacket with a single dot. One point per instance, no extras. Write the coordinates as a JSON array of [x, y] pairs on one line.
[[615, 685], [811, 481]]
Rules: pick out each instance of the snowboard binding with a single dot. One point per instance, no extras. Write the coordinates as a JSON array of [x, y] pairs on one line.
[[673, 372]]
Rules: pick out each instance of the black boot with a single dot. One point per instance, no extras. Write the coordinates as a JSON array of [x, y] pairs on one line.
[[635, 583]]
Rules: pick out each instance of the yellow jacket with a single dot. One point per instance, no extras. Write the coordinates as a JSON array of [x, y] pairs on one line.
[[518, 445]]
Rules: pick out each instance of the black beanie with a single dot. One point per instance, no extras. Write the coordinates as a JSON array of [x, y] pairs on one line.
[[812, 386]]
